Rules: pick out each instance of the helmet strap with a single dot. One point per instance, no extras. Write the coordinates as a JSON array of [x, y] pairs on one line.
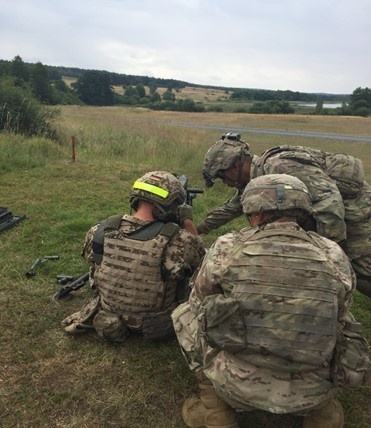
[[240, 185]]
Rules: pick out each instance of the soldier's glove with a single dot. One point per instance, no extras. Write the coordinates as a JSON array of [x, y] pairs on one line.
[[201, 229], [184, 212]]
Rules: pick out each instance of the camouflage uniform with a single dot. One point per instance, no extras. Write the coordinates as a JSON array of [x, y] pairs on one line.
[[265, 316], [138, 279], [341, 198]]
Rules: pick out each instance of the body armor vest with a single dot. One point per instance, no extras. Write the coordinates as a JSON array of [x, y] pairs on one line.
[[283, 300], [304, 155], [129, 278], [346, 170]]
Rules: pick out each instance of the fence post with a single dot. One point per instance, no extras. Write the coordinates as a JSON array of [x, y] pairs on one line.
[[73, 146]]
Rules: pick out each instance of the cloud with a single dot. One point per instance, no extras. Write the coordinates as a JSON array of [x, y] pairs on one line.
[[317, 46]]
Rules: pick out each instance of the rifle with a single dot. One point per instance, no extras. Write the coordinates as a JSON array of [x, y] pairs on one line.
[[65, 290], [190, 193], [7, 219], [188, 199], [32, 272]]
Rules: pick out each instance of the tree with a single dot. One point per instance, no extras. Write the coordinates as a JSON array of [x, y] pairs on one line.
[[141, 90], [188, 104], [319, 107], [272, 107], [155, 96], [152, 89], [19, 70], [94, 88], [62, 93], [131, 95], [360, 102], [168, 96], [40, 83], [131, 91], [361, 94]]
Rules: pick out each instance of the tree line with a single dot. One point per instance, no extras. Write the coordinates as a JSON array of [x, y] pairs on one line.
[[93, 87], [28, 90]]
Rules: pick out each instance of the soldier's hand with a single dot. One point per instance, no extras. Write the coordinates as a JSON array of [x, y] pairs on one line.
[[184, 212]]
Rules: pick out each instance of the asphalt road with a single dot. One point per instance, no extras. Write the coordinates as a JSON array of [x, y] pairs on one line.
[[302, 134]]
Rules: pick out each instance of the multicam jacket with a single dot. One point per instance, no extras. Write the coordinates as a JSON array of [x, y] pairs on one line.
[[262, 317], [341, 198], [331, 179]]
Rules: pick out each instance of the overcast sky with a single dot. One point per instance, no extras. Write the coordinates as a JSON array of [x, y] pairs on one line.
[[301, 45]]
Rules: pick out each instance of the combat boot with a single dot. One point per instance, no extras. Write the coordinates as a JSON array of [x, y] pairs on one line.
[[194, 413], [329, 416], [208, 411]]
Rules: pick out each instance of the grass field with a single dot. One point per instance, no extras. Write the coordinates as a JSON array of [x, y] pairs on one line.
[[49, 379]]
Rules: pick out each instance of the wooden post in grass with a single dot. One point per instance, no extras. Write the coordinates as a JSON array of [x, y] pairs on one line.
[[73, 146]]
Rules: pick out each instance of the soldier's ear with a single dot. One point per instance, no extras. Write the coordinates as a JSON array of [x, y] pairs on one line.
[[255, 219], [259, 218]]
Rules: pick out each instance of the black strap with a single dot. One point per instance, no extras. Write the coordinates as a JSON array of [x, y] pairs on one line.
[[145, 233]]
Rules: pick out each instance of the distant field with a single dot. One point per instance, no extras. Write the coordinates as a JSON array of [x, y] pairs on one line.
[[69, 80], [201, 94], [208, 97]]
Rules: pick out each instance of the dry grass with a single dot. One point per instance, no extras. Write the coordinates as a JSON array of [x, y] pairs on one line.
[[200, 94], [48, 379]]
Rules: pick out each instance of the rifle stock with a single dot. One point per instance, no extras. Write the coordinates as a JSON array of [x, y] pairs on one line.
[[65, 290]]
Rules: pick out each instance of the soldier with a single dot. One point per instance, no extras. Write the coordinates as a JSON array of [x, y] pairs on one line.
[[341, 196], [267, 325], [141, 263]]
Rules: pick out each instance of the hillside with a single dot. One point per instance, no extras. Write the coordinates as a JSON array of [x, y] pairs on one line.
[[59, 85], [120, 79]]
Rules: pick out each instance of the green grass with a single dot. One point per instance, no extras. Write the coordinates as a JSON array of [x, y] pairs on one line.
[[49, 379]]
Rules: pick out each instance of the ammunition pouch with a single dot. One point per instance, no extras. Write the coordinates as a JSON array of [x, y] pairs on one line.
[[348, 173], [110, 326], [158, 327], [221, 323], [351, 356]]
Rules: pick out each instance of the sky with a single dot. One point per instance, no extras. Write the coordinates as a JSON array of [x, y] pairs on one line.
[[299, 45]]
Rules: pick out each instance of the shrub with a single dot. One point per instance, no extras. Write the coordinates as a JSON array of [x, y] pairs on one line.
[[21, 113]]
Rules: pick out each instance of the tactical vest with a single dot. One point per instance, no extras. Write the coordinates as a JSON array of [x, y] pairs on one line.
[[346, 170], [283, 300], [129, 277]]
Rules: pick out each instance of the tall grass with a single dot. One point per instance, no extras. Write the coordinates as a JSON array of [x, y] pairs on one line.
[[50, 379]]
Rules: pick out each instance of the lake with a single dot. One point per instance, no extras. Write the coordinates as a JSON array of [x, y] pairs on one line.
[[325, 105]]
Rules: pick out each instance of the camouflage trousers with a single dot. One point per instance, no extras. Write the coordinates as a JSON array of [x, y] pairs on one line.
[[115, 327], [92, 316], [186, 327], [242, 384]]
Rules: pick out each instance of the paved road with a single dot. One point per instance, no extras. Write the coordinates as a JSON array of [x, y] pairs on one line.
[[303, 134]]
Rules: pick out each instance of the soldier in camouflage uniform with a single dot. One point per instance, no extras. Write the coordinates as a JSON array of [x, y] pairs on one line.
[[141, 263], [341, 196], [267, 325]]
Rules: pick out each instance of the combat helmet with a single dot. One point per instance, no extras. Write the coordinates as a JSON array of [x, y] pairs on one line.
[[160, 188], [222, 155], [276, 192]]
